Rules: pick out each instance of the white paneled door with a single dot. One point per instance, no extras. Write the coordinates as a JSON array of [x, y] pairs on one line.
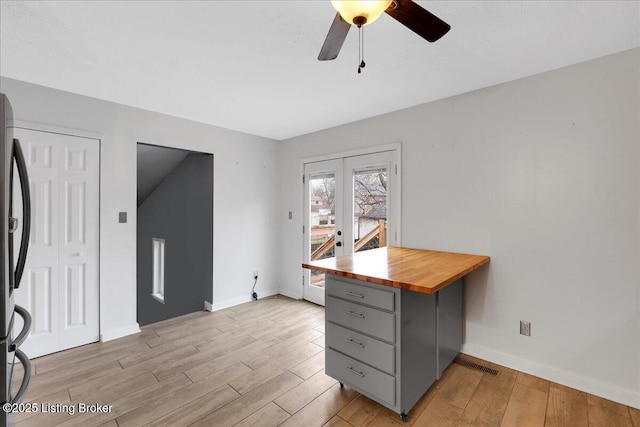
[[60, 286]]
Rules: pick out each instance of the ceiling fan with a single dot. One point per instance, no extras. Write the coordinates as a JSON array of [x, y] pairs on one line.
[[361, 13]]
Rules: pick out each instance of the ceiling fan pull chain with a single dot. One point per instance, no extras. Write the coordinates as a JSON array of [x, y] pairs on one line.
[[361, 48], [362, 64]]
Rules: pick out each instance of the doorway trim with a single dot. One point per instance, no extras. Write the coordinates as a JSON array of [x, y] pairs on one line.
[[396, 146]]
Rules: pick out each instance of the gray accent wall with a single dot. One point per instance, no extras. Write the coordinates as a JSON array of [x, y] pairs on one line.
[[180, 211], [154, 165]]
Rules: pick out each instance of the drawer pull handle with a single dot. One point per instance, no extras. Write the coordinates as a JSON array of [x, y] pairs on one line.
[[358, 344], [354, 314], [361, 374], [353, 294]]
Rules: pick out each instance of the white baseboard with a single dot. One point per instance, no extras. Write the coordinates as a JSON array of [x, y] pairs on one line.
[[290, 294], [120, 332], [586, 384], [221, 305], [208, 306]]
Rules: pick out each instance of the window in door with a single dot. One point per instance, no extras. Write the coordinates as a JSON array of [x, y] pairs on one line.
[[369, 208], [158, 269]]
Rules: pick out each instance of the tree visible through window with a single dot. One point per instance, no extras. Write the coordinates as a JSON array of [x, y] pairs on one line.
[[369, 209]]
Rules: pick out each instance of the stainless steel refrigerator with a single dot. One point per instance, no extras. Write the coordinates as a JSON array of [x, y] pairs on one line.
[[12, 167]]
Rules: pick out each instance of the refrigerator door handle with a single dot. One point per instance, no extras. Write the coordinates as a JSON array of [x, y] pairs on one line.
[[26, 364], [26, 328], [26, 211]]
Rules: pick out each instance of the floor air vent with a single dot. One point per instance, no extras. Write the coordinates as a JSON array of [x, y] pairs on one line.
[[475, 366]]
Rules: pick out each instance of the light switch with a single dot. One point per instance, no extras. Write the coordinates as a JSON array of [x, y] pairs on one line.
[[122, 217]]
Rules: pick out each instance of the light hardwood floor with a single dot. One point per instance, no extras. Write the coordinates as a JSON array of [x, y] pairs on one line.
[[262, 364]]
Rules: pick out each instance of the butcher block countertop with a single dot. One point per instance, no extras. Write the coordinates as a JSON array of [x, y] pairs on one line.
[[417, 270]]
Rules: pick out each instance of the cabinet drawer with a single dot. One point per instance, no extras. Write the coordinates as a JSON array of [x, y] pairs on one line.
[[361, 347], [375, 297], [371, 321], [376, 383]]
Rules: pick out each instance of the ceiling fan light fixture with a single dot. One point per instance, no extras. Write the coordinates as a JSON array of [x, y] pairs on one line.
[[353, 11]]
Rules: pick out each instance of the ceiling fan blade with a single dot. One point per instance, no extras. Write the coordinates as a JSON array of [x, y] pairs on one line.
[[418, 20], [335, 39]]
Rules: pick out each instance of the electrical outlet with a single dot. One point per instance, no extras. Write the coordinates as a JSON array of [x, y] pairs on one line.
[[255, 274], [525, 328]]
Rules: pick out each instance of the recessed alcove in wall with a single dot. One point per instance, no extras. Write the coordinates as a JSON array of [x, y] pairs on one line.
[[175, 207]]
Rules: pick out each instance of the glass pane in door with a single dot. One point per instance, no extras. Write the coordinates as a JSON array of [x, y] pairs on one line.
[[322, 221], [369, 209]]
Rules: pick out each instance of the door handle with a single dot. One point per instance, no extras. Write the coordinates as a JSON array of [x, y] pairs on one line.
[[26, 211], [26, 378], [77, 254], [354, 314], [26, 328]]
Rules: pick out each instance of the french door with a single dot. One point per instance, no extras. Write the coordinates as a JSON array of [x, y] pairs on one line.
[[351, 204]]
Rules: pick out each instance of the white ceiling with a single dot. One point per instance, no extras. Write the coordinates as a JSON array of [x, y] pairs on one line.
[[251, 65]]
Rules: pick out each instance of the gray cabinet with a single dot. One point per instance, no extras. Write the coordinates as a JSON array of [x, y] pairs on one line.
[[387, 343]]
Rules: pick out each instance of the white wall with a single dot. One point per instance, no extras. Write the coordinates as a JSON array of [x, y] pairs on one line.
[[542, 174], [245, 195]]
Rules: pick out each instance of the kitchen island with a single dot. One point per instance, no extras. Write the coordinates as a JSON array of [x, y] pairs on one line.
[[393, 320]]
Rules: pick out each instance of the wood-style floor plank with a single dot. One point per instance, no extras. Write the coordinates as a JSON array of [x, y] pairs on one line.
[[439, 412], [270, 415], [361, 411], [337, 422], [61, 397], [262, 363], [527, 407], [198, 408], [281, 349], [107, 389], [566, 409], [475, 415], [323, 408], [274, 367], [635, 416], [604, 413], [215, 364], [169, 402], [246, 405], [55, 380], [490, 399], [534, 382], [319, 341], [305, 392], [458, 385], [310, 366]]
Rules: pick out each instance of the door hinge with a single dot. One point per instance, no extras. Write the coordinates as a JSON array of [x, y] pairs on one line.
[[302, 280], [303, 179], [396, 169], [302, 228]]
